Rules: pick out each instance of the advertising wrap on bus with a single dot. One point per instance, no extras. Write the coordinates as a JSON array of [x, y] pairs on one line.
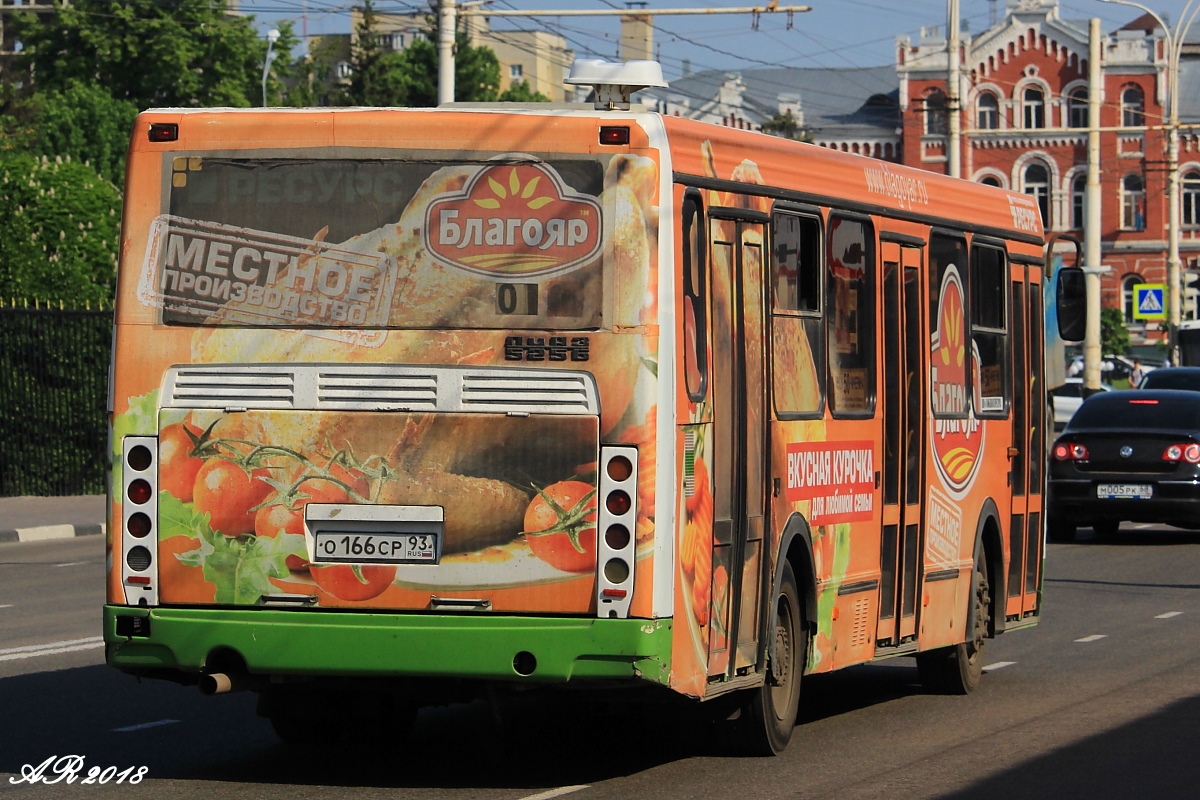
[[297, 295]]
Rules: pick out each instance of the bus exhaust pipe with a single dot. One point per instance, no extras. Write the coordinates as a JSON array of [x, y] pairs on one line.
[[222, 683]]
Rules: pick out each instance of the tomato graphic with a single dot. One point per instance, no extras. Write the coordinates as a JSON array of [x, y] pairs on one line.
[[227, 493], [284, 513], [177, 467], [355, 582], [560, 526]]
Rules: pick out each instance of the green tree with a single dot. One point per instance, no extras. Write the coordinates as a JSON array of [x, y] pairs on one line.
[[520, 92], [59, 230], [382, 77], [83, 123], [1114, 338], [152, 53]]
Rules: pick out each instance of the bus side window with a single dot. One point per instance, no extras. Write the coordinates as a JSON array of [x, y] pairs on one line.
[[851, 317], [695, 302], [989, 326], [949, 373], [797, 335]]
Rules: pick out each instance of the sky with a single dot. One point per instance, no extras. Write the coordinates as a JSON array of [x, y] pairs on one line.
[[835, 33]]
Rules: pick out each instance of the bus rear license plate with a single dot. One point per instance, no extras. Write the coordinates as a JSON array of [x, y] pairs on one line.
[[1124, 491], [377, 548]]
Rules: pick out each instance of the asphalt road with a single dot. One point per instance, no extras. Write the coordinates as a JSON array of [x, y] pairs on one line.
[[1102, 700]]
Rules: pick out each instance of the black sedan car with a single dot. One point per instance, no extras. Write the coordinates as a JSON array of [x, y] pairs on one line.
[[1173, 378], [1127, 455]]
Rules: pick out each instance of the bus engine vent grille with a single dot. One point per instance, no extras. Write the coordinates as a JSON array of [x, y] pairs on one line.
[[265, 387], [380, 387]]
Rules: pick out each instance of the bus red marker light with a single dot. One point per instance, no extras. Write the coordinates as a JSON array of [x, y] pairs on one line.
[[140, 580], [618, 503], [140, 491], [615, 593], [139, 458], [163, 132], [614, 134], [138, 524], [619, 469]]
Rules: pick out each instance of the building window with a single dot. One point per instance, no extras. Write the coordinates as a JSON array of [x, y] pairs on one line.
[[1077, 108], [516, 72], [1078, 201], [1036, 182], [344, 70], [1190, 195], [1133, 107], [1133, 203], [1127, 284], [1033, 108], [397, 41], [937, 119], [991, 180], [987, 112]]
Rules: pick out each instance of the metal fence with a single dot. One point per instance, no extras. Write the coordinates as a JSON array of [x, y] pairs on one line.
[[53, 394]]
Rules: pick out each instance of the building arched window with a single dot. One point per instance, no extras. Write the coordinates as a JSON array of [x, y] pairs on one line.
[[937, 118], [1033, 108], [1127, 284], [1077, 108], [991, 180], [1189, 192], [987, 112], [1133, 107], [1035, 181], [1078, 201], [1133, 203]]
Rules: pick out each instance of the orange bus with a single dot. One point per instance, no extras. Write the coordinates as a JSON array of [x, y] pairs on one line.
[[409, 403]]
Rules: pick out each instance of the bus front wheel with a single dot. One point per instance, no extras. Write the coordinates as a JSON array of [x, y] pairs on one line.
[[957, 669]]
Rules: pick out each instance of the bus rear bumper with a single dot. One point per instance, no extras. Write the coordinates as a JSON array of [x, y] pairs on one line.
[[182, 642]]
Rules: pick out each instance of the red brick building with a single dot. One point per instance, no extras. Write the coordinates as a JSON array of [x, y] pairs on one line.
[[1024, 118]]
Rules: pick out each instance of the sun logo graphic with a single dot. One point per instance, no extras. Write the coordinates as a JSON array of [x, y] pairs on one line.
[[514, 221], [956, 434]]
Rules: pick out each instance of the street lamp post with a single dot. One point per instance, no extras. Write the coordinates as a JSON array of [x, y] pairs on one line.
[[1174, 41], [272, 37]]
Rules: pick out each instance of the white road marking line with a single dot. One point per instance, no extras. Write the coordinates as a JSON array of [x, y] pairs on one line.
[[1169, 614], [1095, 637], [998, 665], [559, 792], [50, 649], [6, 605], [145, 725], [71, 564]]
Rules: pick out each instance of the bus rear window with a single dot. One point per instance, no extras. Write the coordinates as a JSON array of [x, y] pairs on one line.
[[378, 242]]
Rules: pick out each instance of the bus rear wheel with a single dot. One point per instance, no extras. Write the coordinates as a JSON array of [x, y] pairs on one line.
[[770, 713], [958, 669]]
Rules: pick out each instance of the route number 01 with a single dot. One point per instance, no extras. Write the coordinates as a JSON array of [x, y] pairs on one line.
[[517, 298]]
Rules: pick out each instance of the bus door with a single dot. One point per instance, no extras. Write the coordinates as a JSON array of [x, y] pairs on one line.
[[904, 346], [1029, 417], [739, 440]]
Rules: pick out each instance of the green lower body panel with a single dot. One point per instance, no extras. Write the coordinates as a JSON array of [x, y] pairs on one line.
[[327, 643]]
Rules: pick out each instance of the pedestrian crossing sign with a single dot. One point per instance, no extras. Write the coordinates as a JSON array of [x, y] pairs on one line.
[[1148, 301]]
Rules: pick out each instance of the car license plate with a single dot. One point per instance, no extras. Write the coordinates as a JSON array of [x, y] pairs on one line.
[[1124, 491], [377, 548]]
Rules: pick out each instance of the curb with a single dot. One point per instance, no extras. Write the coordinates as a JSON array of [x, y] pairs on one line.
[[44, 532]]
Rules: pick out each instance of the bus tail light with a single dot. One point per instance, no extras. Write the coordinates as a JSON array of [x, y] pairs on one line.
[[616, 520], [1184, 451], [139, 515]]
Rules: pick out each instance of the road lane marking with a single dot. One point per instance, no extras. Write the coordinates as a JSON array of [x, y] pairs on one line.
[[559, 792], [72, 563], [51, 648], [1095, 637], [1169, 614], [998, 665], [6, 605], [143, 726]]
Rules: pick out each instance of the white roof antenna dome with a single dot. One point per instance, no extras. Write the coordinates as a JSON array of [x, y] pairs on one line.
[[615, 81]]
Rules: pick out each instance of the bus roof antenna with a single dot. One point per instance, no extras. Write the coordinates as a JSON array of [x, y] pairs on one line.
[[615, 81]]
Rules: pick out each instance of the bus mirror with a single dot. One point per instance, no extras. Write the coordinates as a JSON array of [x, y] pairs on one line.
[[1071, 304]]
